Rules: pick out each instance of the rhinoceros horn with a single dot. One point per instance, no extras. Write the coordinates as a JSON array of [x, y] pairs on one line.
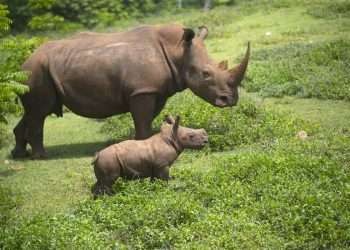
[[176, 125], [237, 73]]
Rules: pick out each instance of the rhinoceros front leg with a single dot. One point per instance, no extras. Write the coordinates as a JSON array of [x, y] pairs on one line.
[[163, 174], [142, 108]]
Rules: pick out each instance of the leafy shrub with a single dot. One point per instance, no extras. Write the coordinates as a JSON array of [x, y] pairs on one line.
[[46, 22], [330, 10], [90, 13], [4, 21], [13, 52], [307, 70], [42, 16], [104, 12], [227, 128]]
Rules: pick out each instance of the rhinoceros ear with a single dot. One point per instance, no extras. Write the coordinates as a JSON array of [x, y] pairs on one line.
[[203, 32], [169, 119], [176, 125], [188, 35]]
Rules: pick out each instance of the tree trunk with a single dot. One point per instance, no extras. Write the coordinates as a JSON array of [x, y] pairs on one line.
[[179, 4], [207, 5]]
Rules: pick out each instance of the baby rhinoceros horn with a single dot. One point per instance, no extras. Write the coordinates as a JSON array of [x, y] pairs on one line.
[[223, 65], [238, 72]]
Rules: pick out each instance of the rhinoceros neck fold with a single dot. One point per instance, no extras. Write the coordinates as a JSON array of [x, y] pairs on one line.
[[178, 82], [173, 143]]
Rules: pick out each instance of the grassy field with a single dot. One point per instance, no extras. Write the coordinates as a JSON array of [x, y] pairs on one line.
[[256, 186]]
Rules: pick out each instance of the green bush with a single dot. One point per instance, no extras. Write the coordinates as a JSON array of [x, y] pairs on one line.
[[13, 51], [307, 70], [46, 22], [331, 10], [104, 12], [227, 128], [49, 14], [4, 21]]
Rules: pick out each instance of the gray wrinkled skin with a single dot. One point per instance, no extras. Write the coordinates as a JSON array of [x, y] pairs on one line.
[[98, 75], [152, 157]]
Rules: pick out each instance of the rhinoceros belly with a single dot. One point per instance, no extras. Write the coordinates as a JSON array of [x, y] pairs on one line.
[[92, 82]]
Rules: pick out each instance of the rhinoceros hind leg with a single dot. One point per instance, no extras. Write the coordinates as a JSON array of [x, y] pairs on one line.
[[19, 131], [96, 190], [101, 189], [35, 137]]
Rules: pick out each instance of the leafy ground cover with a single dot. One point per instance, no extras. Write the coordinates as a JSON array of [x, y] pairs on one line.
[[318, 70], [258, 185], [290, 193]]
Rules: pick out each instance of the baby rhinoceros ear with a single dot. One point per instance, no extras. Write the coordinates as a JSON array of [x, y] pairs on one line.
[[176, 125], [169, 119], [188, 35]]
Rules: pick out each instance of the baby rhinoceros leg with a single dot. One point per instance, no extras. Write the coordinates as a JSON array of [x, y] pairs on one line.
[[161, 173]]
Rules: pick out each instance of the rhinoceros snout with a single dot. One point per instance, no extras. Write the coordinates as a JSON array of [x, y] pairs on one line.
[[225, 101], [204, 137]]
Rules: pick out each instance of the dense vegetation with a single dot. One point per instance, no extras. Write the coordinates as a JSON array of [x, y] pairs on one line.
[[319, 69], [13, 52], [259, 184], [61, 14], [287, 193]]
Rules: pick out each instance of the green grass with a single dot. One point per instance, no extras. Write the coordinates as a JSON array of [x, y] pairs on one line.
[[67, 173], [292, 194], [256, 186], [330, 115]]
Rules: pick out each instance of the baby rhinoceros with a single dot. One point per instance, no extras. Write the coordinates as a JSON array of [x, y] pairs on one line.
[[133, 159]]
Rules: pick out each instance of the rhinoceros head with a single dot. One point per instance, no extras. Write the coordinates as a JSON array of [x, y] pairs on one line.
[[185, 137], [213, 82]]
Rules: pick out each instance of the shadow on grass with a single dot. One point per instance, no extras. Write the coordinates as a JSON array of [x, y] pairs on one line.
[[76, 150], [7, 172], [70, 151]]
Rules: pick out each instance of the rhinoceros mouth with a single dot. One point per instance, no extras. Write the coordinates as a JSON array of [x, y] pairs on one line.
[[201, 144], [224, 101]]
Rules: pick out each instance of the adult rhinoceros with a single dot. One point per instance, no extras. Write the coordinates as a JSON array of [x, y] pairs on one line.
[[100, 75]]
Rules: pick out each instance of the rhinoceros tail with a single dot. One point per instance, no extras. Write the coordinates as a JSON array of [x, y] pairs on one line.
[[95, 158]]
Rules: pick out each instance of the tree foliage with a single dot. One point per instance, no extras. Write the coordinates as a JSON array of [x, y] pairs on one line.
[[13, 52], [4, 21], [51, 14]]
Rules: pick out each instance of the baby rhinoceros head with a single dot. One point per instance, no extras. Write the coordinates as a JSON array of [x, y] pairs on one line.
[[183, 136]]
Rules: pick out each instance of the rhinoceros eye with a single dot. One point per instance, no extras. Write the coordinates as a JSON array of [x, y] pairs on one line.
[[192, 70], [206, 74], [232, 83]]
